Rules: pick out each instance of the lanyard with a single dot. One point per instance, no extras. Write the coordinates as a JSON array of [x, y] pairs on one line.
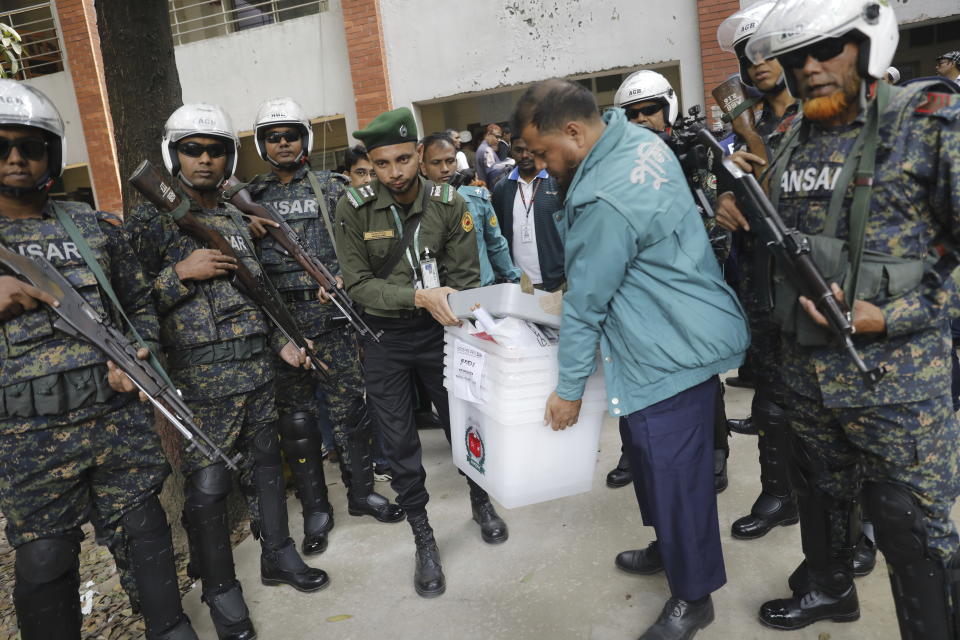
[[416, 239], [533, 196]]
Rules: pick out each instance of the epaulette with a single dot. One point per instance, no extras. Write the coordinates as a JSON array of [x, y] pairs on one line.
[[941, 104], [360, 196], [109, 218], [481, 192], [442, 193], [325, 175]]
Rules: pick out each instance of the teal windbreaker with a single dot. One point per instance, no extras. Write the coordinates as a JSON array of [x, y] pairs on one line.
[[643, 281]]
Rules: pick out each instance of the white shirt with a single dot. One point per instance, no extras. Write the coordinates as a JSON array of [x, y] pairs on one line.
[[525, 253], [462, 161]]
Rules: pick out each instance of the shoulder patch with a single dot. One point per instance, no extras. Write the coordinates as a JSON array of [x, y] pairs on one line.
[[467, 222], [442, 193], [493, 220], [936, 102], [109, 218], [359, 197]]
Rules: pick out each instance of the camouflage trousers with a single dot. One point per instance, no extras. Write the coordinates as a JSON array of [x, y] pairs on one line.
[[232, 422], [344, 391], [914, 444]]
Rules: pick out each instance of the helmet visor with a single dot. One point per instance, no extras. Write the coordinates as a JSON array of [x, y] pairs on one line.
[[794, 24]]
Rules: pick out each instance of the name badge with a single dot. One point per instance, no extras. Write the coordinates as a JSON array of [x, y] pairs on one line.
[[378, 235]]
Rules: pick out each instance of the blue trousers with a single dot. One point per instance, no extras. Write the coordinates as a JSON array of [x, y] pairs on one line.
[[670, 447]]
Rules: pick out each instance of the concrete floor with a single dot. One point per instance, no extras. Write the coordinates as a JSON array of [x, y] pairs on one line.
[[554, 578]]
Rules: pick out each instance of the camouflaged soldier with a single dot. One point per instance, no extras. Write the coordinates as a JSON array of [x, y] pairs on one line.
[[219, 349], [869, 175], [74, 443], [306, 198], [404, 243]]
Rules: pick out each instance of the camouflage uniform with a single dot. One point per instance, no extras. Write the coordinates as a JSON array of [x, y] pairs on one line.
[[72, 448], [217, 344], [899, 440], [336, 345]]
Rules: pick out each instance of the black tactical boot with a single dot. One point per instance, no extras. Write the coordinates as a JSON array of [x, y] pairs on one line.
[[642, 562], [362, 500], [621, 475], [680, 619], [428, 578], [181, 631], [776, 505], [229, 612], [864, 557], [798, 612], [302, 446], [284, 566], [493, 529], [720, 480], [743, 426]]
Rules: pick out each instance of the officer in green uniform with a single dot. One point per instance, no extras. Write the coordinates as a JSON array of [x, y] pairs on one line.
[[868, 174], [218, 345], [404, 245], [305, 198], [75, 445]]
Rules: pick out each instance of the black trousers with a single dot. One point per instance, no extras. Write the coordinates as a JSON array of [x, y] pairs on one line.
[[407, 346]]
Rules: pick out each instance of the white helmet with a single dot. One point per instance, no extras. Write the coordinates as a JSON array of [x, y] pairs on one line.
[[278, 111], [794, 24], [26, 106], [737, 29], [198, 119], [646, 85]]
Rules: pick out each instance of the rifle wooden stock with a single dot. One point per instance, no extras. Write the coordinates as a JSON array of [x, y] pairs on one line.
[[147, 180], [729, 96]]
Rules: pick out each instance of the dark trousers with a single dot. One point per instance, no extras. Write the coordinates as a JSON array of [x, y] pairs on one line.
[[670, 447], [407, 346]]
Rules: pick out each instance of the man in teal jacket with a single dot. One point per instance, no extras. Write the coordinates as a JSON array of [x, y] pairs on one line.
[[643, 283]]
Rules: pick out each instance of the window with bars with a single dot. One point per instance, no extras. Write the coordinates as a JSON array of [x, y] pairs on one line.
[[193, 20], [34, 22]]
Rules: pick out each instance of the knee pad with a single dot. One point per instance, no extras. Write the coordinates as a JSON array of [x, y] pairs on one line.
[[299, 435], [265, 446], [898, 521], [146, 519], [208, 485], [44, 560]]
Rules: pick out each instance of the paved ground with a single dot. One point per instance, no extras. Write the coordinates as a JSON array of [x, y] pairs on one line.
[[553, 579]]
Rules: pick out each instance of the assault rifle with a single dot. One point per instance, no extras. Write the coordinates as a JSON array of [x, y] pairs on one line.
[[148, 181], [794, 249], [77, 318], [287, 238]]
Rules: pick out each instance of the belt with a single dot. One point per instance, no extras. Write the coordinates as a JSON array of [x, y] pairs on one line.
[[397, 314], [214, 352]]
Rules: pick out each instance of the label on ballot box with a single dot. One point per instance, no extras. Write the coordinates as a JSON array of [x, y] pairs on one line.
[[468, 372]]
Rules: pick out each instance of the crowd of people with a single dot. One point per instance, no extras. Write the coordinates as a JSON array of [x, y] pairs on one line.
[[666, 267]]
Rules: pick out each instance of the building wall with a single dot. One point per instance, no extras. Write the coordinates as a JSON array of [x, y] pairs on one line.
[[303, 58], [917, 10], [441, 49]]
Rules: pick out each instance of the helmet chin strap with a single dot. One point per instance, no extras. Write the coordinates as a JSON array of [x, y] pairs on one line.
[[43, 184], [184, 180], [298, 162]]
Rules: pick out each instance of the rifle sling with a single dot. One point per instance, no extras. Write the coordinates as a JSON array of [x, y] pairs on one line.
[[407, 236], [324, 212], [87, 254]]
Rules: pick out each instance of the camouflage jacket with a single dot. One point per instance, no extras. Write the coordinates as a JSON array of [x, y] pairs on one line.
[[36, 354], [366, 231], [196, 314], [297, 204], [915, 206]]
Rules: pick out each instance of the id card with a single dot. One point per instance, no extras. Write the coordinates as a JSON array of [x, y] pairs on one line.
[[429, 274], [525, 234]]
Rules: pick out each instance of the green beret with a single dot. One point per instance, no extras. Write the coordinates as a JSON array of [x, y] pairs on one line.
[[392, 127]]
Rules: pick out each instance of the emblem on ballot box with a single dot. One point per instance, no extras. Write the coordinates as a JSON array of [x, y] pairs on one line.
[[474, 443]]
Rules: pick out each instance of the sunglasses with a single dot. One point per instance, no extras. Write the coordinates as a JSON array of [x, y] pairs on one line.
[[195, 149], [821, 51], [649, 110], [276, 136], [29, 148]]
